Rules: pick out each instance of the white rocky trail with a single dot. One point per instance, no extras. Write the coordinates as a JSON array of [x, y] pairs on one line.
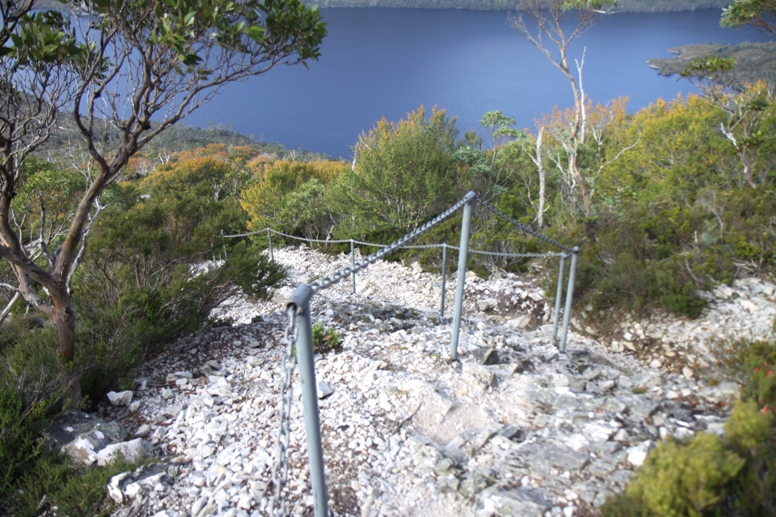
[[512, 428]]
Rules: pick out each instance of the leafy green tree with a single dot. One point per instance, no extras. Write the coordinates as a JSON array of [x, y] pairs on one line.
[[490, 171], [499, 127], [145, 65], [403, 173], [755, 13]]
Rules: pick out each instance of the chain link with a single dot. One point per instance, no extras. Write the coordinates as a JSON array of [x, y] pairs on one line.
[[327, 282], [305, 239], [524, 227], [277, 506]]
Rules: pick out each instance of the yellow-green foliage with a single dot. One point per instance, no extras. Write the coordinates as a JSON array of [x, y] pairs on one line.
[[679, 143], [674, 212], [752, 432], [679, 480], [291, 196], [710, 475], [748, 427]]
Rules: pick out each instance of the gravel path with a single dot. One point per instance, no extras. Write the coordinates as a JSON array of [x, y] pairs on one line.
[[513, 428]]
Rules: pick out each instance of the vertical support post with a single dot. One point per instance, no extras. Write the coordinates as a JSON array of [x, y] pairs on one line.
[[444, 279], [558, 296], [223, 243], [569, 297], [462, 256], [269, 239], [353, 264], [312, 419]]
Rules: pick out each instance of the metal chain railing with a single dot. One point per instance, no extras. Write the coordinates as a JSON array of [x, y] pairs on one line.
[[327, 282], [285, 400], [504, 254], [524, 227], [299, 316]]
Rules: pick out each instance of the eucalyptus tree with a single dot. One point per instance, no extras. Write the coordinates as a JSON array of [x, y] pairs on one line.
[[544, 24], [38, 61], [136, 68], [750, 115]]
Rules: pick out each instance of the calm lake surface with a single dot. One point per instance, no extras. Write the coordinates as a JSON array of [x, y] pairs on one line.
[[386, 62]]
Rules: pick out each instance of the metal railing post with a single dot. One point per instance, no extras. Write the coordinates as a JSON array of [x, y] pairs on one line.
[[558, 296], [223, 243], [462, 256], [444, 278], [312, 419], [353, 264], [269, 239], [569, 297]]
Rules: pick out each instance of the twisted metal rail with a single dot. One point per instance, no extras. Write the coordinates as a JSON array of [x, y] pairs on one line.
[[299, 329]]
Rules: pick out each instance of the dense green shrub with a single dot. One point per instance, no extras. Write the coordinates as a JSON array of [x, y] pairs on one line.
[[31, 392], [293, 197], [680, 480], [149, 274], [403, 174]]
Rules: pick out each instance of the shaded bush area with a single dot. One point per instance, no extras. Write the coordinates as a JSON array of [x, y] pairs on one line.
[[158, 265], [155, 268], [32, 393]]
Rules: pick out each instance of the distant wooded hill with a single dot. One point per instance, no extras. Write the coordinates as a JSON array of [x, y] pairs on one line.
[[488, 5]]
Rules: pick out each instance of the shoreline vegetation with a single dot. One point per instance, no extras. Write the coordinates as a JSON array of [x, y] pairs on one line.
[[623, 6], [754, 62]]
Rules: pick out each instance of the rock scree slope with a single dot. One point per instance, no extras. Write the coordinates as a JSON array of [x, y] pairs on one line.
[[512, 428]]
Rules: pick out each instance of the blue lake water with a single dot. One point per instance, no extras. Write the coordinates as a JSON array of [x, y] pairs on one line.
[[386, 62]]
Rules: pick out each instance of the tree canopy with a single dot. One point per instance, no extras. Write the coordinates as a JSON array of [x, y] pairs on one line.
[[125, 71], [760, 14]]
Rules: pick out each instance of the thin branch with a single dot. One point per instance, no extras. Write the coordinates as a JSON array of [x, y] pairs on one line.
[[8, 308], [84, 241]]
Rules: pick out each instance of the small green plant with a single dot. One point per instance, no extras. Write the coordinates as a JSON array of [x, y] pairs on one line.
[[324, 338], [74, 489]]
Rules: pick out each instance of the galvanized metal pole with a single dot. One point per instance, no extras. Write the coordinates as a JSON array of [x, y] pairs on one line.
[[269, 238], [569, 298], [353, 265], [312, 419], [558, 296], [462, 256], [223, 243], [444, 278]]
